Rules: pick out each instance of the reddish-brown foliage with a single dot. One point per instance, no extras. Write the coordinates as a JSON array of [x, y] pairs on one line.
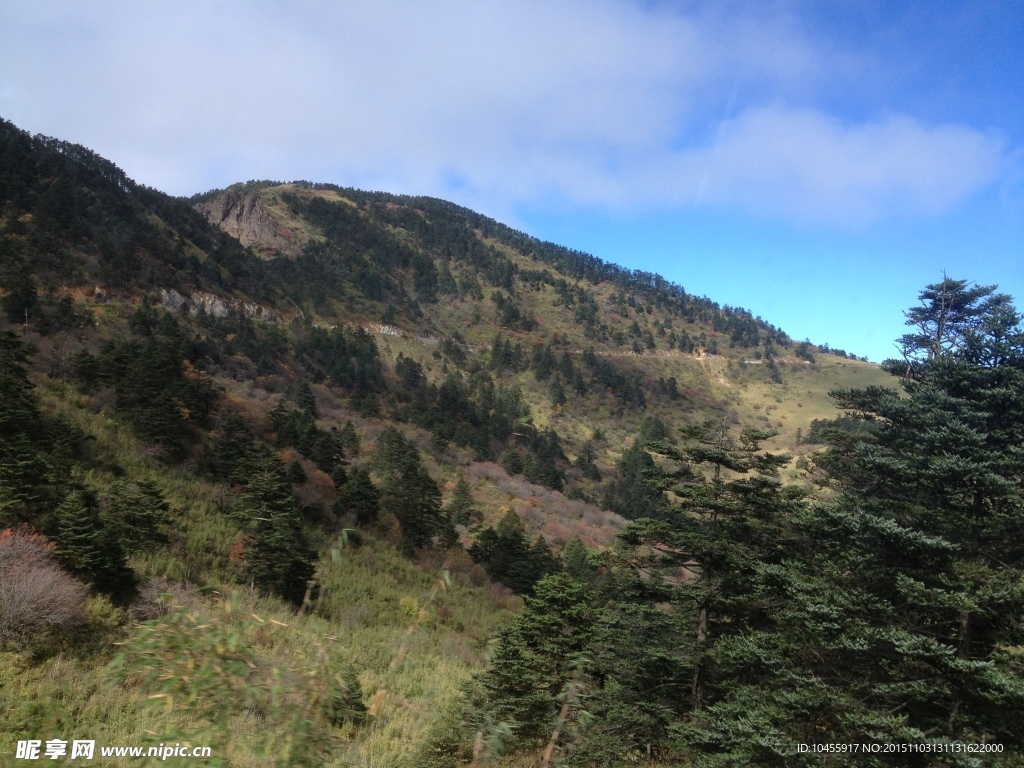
[[36, 595]]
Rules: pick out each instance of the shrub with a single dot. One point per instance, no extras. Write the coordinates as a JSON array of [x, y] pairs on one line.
[[36, 596]]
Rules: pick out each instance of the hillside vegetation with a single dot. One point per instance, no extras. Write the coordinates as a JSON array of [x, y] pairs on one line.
[[314, 476]]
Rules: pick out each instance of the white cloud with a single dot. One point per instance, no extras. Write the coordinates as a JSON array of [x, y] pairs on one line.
[[806, 164], [593, 102]]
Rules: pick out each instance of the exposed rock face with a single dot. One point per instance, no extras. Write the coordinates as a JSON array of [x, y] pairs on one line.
[[244, 216], [219, 306]]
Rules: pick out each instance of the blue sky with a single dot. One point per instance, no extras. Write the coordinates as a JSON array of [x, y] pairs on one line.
[[815, 162]]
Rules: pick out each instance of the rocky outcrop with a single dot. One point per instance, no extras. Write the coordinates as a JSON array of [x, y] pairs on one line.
[[243, 215], [218, 306]]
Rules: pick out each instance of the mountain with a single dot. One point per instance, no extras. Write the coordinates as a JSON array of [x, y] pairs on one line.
[[410, 484]]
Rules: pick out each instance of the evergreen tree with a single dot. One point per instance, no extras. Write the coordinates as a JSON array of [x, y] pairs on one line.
[[576, 561], [947, 313], [407, 490], [22, 466], [633, 495], [276, 555], [461, 508], [135, 512], [21, 304], [535, 657], [349, 439], [233, 443], [66, 447], [732, 505], [585, 462], [305, 399], [557, 392], [632, 691], [542, 462], [543, 361], [891, 612], [359, 497], [295, 473], [89, 549], [507, 555]]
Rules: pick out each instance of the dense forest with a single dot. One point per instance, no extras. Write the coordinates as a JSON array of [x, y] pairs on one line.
[[429, 491]]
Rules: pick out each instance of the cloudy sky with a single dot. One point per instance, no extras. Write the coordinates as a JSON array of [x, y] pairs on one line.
[[815, 162]]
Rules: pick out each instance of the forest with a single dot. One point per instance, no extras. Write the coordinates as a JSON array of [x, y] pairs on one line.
[[435, 493]]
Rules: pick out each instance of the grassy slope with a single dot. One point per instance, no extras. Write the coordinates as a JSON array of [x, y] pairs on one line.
[[720, 382], [372, 596]]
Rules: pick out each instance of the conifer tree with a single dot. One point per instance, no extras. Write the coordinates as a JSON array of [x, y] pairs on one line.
[[576, 561], [22, 466], [585, 462], [535, 657], [728, 525], [135, 512], [359, 497], [89, 549], [633, 495], [407, 490], [891, 608], [305, 399], [461, 507], [276, 554], [507, 555], [557, 392]]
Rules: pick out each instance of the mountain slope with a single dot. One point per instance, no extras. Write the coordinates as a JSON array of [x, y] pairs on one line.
[[259, 394]]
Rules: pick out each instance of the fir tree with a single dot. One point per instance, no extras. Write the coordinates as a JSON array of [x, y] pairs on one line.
[[535, 657], [461, 508], [507, 555], [632, 495], [737, 521], [407, 490], [585, 462], [276, 554], [557, 392], [89, 549], [135, 512], [359, 497], [891, 613], [22, 465], [576, 561]]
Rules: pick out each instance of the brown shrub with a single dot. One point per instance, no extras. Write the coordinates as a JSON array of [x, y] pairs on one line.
[[500, 597], [159, 597], [462, 568], [36, 596], [318, 490]]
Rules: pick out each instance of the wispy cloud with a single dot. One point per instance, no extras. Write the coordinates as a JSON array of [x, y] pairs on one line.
[[589, 102]]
